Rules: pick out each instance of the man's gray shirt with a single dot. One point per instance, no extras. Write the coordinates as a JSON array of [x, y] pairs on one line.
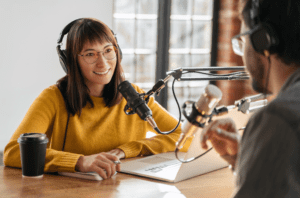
[[268, 163]]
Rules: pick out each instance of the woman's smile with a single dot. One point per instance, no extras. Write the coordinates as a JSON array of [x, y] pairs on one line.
[[103, 72]]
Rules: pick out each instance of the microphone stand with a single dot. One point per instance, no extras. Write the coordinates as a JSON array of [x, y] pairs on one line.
[[177, 75], [243, 105]]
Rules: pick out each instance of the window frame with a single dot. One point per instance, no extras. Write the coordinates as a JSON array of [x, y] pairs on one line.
[[164, 18]]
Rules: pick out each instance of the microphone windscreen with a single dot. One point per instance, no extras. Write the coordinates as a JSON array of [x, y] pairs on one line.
[[128, 92]]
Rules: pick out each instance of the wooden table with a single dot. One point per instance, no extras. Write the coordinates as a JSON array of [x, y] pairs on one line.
[[216, 184]]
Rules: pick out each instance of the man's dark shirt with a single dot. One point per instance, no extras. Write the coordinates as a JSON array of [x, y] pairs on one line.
[[268, 163]]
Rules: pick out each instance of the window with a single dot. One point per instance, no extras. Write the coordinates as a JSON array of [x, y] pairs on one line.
[[135, 22]]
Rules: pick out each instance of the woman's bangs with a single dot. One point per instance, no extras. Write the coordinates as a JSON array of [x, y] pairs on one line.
[[92, 34]]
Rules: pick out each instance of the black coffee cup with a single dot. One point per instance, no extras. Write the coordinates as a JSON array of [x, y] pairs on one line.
[[33, 151]]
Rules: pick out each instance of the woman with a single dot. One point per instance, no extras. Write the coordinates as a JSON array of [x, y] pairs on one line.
[[82, 115]]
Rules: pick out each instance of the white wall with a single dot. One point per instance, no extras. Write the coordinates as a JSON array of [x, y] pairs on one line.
[[29, 30]]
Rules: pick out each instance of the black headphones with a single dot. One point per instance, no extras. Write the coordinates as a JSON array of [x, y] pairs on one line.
[[263, 37], [62, 54]]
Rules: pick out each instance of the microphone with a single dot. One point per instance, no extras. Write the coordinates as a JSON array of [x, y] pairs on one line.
[[201, 111], [136, 104]]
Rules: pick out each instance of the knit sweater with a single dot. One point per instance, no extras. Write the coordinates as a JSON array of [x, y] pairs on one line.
[[98, 129]]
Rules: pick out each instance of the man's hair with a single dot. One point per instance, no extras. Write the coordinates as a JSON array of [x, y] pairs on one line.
[[72, 86], [284, 17]]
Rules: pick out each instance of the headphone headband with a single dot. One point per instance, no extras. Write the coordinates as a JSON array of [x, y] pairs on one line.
[[62, 54], [263, 37], [254, 12], [66, 30]]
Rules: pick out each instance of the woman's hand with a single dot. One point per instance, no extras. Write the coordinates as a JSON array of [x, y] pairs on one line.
[[98, 163], [117, 152], [224, 137]]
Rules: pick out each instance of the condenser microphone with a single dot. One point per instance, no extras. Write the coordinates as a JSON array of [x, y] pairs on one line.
[[201, 111], [136, 104]]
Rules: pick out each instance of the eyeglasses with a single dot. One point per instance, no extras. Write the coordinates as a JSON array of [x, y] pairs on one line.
[[92, 56], [238, 44]]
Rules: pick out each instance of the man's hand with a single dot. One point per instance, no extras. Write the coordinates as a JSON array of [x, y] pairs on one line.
[[224, 137]]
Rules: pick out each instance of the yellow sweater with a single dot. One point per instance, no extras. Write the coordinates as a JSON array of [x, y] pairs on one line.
[[98, 129]]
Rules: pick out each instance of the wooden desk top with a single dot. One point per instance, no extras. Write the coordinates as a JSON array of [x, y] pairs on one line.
[[217, 184]]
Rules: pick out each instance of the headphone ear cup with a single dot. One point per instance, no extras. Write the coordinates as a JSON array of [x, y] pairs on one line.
[[120, 51], [62, 55], [264, 38]]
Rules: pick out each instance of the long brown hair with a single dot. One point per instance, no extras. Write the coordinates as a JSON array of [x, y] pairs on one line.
[[72, 86]]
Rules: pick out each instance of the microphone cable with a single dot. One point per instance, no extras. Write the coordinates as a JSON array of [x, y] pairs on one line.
[[192, 158], [179, 110], [202, 154]]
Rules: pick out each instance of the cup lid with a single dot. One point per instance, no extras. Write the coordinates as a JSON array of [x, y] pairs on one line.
[[33, 137]]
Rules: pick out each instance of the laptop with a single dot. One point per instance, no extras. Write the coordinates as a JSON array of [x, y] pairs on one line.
[[166, 167]]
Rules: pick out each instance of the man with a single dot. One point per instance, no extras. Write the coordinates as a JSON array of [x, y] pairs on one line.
[[266, 159]]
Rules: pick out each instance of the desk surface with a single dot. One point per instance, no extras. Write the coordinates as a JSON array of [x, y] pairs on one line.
[[215, 184]]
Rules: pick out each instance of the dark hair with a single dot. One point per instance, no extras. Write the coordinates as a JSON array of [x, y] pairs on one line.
[[284, 17], [72, 86]]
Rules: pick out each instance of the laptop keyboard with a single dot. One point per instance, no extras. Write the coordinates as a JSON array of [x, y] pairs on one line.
[[167, 163]]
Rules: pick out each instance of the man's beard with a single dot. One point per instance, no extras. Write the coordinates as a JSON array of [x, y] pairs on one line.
[[260, 87], [257, 70], [257, 86]]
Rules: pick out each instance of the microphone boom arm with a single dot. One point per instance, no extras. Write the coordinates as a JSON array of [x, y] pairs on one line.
[[177, 74]]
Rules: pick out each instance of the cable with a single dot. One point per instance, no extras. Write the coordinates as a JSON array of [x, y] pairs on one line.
[[173, 91], [267, 79], [192, 158], [176, 151], [168, 132]]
